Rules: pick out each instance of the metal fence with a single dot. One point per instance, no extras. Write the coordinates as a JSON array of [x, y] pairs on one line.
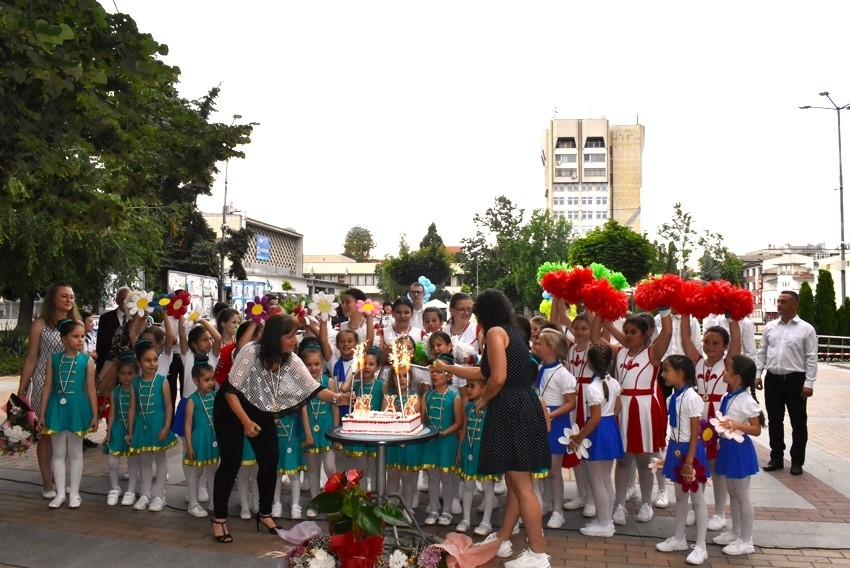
[[833, 348]]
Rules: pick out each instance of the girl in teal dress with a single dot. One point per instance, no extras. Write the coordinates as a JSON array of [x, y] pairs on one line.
[[467, 459], [116, 444], [322, 417], [200, 448], [290, 435], [363, 383], [68, 409], [441, 409], [404, 462], [150, 424]]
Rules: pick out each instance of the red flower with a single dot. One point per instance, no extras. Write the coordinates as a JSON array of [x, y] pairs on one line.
[[692, 482], [334, 482], [179, 304], [353, 477]]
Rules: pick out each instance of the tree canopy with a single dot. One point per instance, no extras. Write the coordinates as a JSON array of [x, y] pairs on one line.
[[395, 274], [617, 247], [358, 244]]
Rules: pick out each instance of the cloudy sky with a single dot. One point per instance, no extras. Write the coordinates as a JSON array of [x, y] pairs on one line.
[[393, 115]]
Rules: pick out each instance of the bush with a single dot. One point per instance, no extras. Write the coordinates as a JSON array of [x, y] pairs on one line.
[[13, 351], [11, 365]]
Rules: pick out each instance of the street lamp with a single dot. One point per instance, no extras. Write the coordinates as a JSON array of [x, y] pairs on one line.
[[221, 293], [838, 110]]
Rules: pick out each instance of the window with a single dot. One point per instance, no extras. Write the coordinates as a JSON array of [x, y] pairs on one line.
[[601, 214], [572, 200], [587, 200], [557, 201], [602, 200], [558, 188], [594, 158], [567, 172], [594, 172], [594, 142], [572, 187], [601, 187], [587, 214], [557, 214], [572, 214], [566, 143], [565, 159]]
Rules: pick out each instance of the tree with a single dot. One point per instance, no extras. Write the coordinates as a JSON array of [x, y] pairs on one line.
[[717, 262], [680, 233], [543, 238], [806, 307], [826, 317], [358, 244], [396, 273], [432, 238], [617, 247], [843, 318], [665, 259]]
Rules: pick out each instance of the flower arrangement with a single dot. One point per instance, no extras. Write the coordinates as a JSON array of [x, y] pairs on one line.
[[17, 432]]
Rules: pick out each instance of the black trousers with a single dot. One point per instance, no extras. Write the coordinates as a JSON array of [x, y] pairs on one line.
[[230, 435], [781, 392]]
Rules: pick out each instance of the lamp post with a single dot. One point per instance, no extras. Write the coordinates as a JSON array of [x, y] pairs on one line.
[[838, 110]]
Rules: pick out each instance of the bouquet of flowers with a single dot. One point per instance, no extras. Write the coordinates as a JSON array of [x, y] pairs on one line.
[[17, 433]]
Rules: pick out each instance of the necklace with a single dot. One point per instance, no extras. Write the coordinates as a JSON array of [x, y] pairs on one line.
[[275, 378], [472, 434], [439, 419], [286, 432], [727, 400], [316, 409], [123, 397], [63, 387], [204, 401], [677, 398], [146, 409], [542, 373]]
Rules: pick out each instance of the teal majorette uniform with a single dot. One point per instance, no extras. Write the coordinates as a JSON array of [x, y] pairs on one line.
[[203, 435], [117, 444], [376, 389], [321, 418], [441, 452], [68, 407], [150, 417], [289, 438], [470, 444], [404, 456]]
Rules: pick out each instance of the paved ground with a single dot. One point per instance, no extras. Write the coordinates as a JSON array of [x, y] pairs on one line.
[[800, 521]]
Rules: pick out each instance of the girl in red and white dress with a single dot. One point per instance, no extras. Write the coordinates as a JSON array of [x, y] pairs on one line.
[[710, 368], [642, 420], [402, 312]]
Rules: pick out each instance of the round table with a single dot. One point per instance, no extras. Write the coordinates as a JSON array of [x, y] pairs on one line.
[[381, 442]]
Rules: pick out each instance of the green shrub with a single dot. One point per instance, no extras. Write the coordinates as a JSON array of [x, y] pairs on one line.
[[11, 365], [13, 342]]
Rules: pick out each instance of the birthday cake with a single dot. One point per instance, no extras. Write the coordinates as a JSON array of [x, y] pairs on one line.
[[363, 420]]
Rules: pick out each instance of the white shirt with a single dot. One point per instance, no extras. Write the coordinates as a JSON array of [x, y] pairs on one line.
[[748, 332], [742, 407], [595, 395], [555, 383], [416, 318], [675, 347], [790, 347], [688, 405]]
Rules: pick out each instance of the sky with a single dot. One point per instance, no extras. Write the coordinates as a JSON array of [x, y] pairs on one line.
[[394, 115]]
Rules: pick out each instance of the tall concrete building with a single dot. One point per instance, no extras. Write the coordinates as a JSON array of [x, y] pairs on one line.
[[593, 172]]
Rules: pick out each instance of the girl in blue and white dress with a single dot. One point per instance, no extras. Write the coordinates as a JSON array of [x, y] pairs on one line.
[[200, 454], [150, 424], [68, 409], [117, 441], [737, 462], [602, 396], [685, 453], [556, 387]]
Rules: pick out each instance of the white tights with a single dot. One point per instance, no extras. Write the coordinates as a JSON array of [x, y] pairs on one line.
[[246, 484], [602, 489], [721, 492], [742, 507], [403, 482], [67, 444], [489, 500], [315, 462], [449, 482], [624, 475], [132, 467], [552, 488], [294, 489], [146, 463], [582, 475], [700, 511], [195, 478]]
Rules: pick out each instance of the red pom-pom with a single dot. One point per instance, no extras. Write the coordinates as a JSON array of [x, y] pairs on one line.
[[654, 293], [554, 282], [567, 285], [689, 297], [602, 298], [712, 298], [739, 303]]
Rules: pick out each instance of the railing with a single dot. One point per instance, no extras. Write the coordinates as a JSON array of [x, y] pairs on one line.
[[833, 348]]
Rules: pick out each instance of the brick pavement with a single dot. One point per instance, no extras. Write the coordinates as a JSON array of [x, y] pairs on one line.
[[80, 537]]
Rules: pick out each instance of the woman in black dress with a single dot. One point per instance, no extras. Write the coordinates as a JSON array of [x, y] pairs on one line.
[[514, 440]]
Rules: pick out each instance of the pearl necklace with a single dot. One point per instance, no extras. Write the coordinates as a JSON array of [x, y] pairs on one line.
[[146, 409], [63, 387]]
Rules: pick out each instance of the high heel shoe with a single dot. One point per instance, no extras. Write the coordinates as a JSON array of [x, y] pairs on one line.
[[226, 537], [272, 530]]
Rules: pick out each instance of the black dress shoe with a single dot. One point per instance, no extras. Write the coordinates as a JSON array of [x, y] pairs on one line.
[[774, 465], [88, 444], [796, 469]]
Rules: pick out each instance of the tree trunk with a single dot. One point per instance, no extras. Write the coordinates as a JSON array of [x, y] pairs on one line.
[[25, 313]]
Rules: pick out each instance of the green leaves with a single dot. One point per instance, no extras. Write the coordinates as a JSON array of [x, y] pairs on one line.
[[327, 502]]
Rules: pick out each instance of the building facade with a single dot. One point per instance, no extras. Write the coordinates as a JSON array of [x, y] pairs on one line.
[[593, 172]]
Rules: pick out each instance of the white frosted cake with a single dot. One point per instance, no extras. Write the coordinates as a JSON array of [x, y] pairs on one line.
[[363, 420]]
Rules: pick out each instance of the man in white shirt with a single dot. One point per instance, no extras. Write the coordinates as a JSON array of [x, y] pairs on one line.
[[748, 332], [789, 353], [417, 294]]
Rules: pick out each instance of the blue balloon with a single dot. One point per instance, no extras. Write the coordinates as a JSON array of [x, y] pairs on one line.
[[546, 295]]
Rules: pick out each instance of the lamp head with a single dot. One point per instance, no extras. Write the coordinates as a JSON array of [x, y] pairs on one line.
[[237, 116], [805, 107], [824, 94]]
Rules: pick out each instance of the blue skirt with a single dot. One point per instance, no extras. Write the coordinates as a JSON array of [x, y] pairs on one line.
[[178, 425], [736, 460], [606, 441], [671, 460], [559, 423]]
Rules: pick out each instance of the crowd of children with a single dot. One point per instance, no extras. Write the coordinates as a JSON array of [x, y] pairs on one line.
[[603, 377]]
